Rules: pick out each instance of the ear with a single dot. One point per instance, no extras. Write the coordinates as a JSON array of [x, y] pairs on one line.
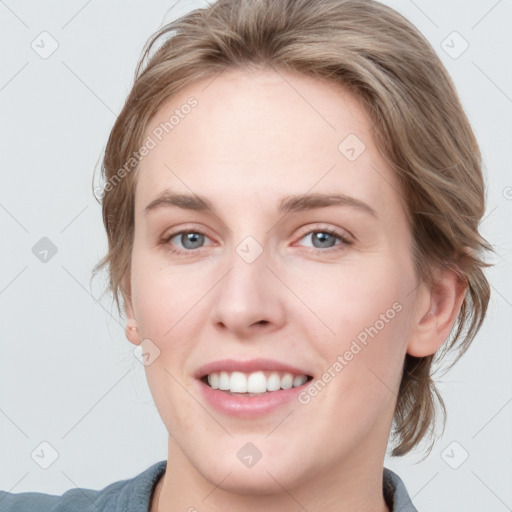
[[132, 328], [438, 307]]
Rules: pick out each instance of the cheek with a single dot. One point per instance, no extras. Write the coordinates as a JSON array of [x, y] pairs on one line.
[[354, 295], [365, 312], [162, 295]]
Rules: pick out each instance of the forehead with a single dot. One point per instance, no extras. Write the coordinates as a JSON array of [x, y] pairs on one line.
[[261, 135]]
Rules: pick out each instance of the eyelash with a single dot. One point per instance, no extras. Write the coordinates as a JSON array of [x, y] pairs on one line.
[[345, 241]]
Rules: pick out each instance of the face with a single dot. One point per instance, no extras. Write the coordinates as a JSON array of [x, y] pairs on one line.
[[270, 236]]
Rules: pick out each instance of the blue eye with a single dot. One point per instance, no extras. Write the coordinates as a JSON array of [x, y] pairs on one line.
[[325, 239], [189, 240], [321, 240]]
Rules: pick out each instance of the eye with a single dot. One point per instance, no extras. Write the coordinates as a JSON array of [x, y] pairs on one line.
[[184, 241], [189, 241], [325, 239]]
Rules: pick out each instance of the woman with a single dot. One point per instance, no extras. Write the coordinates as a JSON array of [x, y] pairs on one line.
[[292, 197]]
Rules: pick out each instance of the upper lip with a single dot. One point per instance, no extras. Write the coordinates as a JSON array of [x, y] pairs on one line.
[[249, 366]]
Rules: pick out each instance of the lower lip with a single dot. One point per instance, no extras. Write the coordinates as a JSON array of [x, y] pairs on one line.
[[242, 406]]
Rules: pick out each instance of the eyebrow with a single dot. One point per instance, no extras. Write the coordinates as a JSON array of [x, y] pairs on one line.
[[288, 204]]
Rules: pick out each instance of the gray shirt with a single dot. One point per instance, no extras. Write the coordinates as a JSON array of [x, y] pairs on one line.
[[134, 495]]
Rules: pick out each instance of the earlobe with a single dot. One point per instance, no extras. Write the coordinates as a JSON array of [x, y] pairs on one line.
[[441, 305], [132, 332], [131, 329]]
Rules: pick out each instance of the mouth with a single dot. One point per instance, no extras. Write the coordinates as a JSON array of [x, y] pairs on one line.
[[255, 383], [251, 389]]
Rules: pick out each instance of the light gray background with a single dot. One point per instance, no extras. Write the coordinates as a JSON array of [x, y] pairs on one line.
[[67, 374]]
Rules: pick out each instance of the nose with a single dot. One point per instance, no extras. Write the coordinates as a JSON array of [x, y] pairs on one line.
[[249, 299]]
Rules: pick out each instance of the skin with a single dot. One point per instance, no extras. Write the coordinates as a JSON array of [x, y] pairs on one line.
[[251, 140]]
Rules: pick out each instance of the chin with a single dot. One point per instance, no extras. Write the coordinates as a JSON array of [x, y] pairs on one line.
[[267, 476], [254, 482]]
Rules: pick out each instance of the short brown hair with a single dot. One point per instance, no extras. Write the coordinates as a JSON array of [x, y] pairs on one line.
[[419, 126]]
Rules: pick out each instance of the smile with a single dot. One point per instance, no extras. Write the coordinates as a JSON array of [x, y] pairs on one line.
[[254, 383]]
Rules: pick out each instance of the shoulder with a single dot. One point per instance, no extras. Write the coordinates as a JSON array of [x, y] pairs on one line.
[[395, 493], [130, 495]]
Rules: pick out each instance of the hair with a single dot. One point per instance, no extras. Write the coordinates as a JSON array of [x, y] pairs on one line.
[[419, 127]]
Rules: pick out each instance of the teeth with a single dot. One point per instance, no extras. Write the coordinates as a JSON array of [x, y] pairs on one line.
[[223, 381], [298, 380], [287, 381], [273, 382], [256, 382], [238, 383], [214, 380]]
